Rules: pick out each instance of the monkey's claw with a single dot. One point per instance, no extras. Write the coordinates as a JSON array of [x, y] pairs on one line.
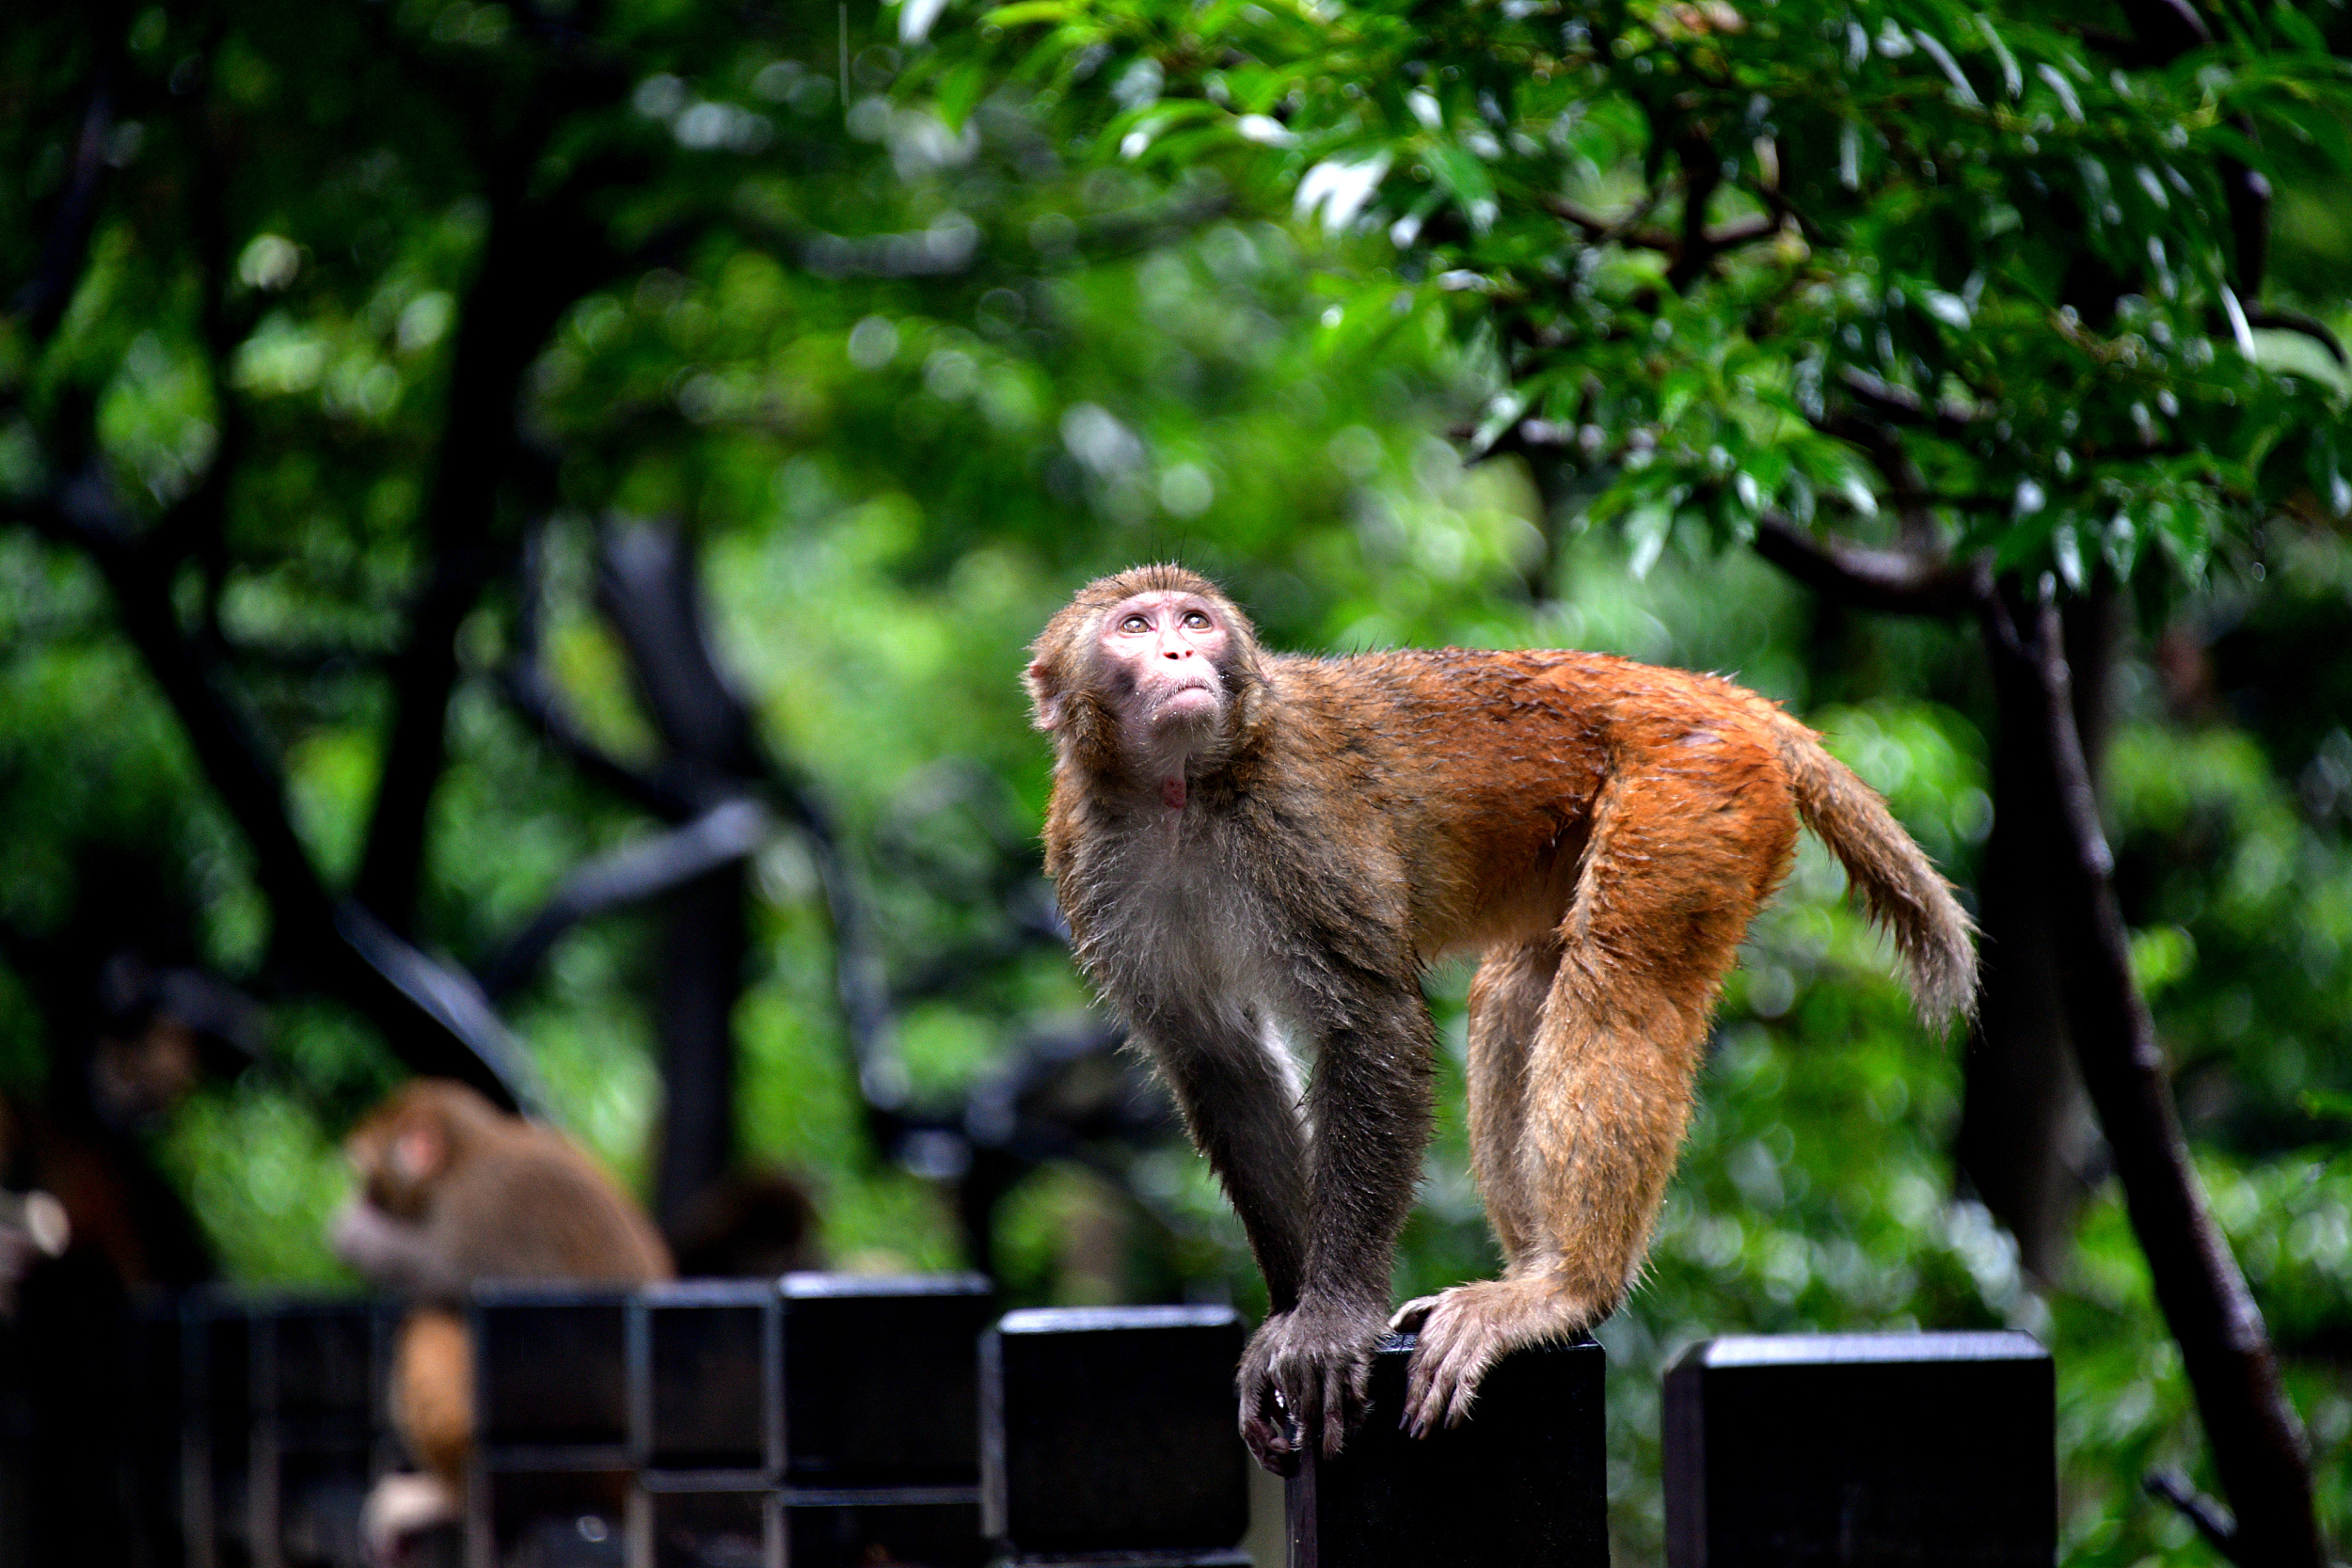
[[1305, 1378], [1466, 1330], [1458, 1341], [1408, 1317]]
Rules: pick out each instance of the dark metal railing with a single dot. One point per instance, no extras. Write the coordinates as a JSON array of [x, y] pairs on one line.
[[837, 1421]]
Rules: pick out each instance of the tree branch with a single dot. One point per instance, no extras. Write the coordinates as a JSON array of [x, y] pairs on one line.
[[532, 263], [434, 1018], [527, 689], [43, 301], [1896, 581], [2258, 1444], [2309, 326], [1900, 404], [1599, 230], [630, 874], [2209, 1521]]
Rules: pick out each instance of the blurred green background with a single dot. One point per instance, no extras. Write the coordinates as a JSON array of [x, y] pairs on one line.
[[908, 353]]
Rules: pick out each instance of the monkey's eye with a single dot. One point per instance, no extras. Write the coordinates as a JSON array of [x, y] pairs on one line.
[[1197, 620], [1134, 623]]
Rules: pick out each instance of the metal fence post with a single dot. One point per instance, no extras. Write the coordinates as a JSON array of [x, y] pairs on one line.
[[1523, 1480], [551, 1430], [706, 1427], [1107, 1437], [1830, 1450], [879, 1418]]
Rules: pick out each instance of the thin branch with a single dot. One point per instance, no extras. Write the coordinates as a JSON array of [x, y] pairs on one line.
[[1897, 581], [1777, 199], [1599, 230], [860, 979], [524, 682], [2199, 1509], [446, 995], [1883, 396], [526, 687], [44, 299], [630, 874], [2295, 321]]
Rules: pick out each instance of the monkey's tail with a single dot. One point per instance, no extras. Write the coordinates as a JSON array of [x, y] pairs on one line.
[[1899, 885]]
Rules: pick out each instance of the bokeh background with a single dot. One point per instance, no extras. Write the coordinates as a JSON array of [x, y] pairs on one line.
[[524, 429]]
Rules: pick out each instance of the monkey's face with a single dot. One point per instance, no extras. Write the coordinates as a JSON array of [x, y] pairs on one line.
[[398, 1155], [1166, 655]]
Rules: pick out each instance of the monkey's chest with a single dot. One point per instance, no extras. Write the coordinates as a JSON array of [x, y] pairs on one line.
[[1177, 918]]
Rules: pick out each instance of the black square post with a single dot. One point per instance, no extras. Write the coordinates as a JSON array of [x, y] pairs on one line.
[[157, 1430], [1824, 1451], [216, 1445], [706, 1425], [551, 1461], [313, 1378], [880, 1420], [1522, 1481], [1107, 1435]]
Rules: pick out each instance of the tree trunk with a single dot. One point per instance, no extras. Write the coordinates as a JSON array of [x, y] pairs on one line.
[[702, 954], [2026, 1141], [2258, 1443], [649, 588]]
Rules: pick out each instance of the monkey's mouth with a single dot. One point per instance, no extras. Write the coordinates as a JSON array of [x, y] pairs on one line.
[[1192, 700]]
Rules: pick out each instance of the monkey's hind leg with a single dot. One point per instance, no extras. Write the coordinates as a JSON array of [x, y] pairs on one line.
[[432, 1406], [432, 1391], [1579, 1103]]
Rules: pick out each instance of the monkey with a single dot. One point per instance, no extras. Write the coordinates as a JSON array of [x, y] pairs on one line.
[[1251, 848], [451, 1191]]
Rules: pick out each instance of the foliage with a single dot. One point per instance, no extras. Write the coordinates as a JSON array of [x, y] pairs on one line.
[[1816, 259]]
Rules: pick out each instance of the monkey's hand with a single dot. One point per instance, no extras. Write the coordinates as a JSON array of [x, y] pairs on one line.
[[387, 1253], [1306, 1375], [1466, 1330]]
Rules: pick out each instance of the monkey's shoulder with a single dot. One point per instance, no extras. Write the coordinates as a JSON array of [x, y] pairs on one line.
[[1425, 695]]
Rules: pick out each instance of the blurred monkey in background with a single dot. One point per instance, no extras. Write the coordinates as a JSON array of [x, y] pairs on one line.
[[453, 1191]]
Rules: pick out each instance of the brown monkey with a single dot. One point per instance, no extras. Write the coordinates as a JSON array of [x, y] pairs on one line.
[[452, 1190], [1247, 844]]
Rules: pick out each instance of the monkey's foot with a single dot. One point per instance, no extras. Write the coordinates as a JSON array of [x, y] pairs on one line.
[[1468, 1329], [401, 1505], [1305, 1376]]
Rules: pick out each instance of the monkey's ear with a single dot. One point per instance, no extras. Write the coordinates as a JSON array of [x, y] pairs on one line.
[[1043, 679]]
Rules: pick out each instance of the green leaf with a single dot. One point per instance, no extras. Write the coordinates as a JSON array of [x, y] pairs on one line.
[[1464, 177], [1030, 12]]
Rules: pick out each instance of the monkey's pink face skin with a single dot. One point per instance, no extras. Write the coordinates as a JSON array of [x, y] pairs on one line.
[[1172, 646]]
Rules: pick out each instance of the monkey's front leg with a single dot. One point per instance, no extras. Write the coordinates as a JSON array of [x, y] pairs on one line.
[[388, 1253], [1239, 1093], [1304, 1377]]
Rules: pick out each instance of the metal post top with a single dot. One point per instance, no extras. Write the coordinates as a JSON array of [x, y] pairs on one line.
[[1096, 1320], [813, 1286], [1819, 1350]]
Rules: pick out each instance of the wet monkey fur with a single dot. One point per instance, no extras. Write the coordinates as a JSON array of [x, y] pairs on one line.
[[1249, 845]]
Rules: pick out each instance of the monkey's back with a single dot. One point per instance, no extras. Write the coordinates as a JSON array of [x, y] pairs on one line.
[[1488, 766], [537, 1208]]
